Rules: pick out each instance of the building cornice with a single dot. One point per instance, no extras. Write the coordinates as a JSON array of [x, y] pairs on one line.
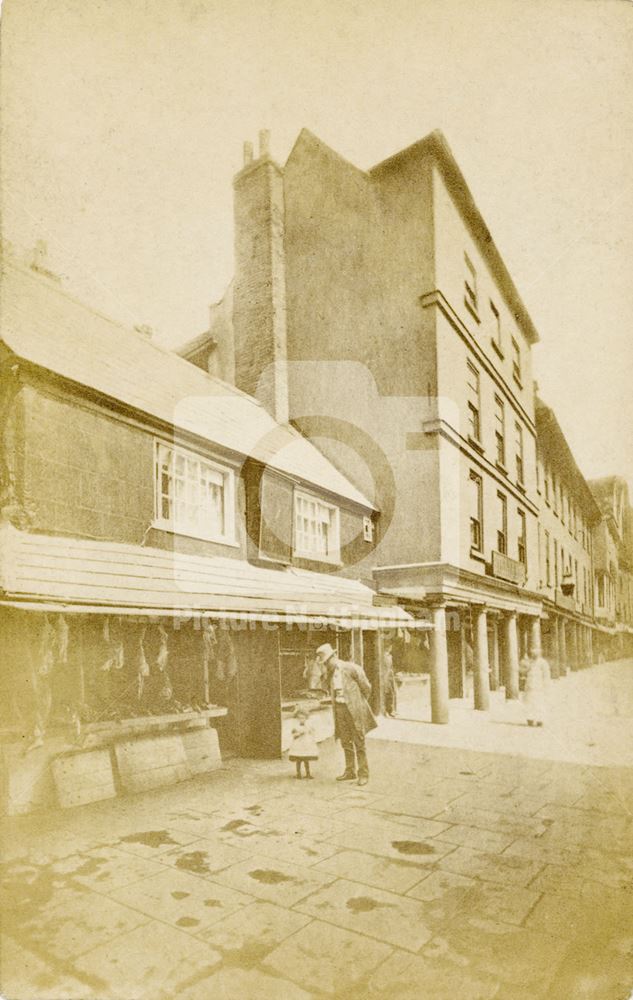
[[437, 298], [444, 430]]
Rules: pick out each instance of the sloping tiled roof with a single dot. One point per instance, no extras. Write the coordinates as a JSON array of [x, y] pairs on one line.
[[46, 327], [72, 574]]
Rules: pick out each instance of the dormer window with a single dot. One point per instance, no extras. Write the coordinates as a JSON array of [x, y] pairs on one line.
[[316, 524], [193, 496]]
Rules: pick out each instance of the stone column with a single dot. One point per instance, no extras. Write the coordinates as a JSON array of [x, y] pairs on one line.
[[439, 667], [555, 643], [562, 647], [494, 655], [511, 671], [573, 652], [590, 645], [534, 644], [481, 665]]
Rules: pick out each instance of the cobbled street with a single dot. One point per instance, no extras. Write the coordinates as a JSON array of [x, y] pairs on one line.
[[454, 873]]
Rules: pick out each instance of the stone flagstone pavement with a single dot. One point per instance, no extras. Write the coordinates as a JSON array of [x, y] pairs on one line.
[[454, 873]]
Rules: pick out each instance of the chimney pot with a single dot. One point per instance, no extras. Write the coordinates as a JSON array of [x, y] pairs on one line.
[[264, 142], [248, 153]]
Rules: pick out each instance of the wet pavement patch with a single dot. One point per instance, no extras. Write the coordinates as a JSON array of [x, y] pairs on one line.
[[150, 838], [255, 810], [412, 847], [26, 890], [187, 922], [235, 826], [194, 861], [268, 876], [180, 895], [248, 956], [364, 904], [90, 866], [212, 902]]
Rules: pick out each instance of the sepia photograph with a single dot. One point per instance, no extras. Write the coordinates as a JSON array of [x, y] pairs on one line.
[[316, 500]]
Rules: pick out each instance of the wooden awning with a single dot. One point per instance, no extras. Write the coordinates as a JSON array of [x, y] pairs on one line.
[[80, 576]]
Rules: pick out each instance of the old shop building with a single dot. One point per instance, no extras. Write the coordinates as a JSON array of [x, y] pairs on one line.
[[570, 521], [613, 566], [169, 558], [374, 309]]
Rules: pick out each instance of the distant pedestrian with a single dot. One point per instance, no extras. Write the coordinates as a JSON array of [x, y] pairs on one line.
[[304, 745], [313, 674], [537, 681], [524, 666], [389, 683], [353, 717]]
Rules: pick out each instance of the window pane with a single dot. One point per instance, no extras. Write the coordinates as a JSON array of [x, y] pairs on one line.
[[315, 527], [190, 492]]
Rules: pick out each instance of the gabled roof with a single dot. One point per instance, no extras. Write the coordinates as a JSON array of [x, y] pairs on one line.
[[436, 146], [44, 326], [612, 496], [550, 436], [605, 487]]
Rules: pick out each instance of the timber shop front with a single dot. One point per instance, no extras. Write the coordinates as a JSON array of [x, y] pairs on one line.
[[127, 668]]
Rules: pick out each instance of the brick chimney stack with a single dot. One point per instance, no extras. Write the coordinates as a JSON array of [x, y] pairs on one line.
[[259, 305]]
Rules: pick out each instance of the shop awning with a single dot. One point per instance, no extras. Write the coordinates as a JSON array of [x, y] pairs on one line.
[[49, 573]]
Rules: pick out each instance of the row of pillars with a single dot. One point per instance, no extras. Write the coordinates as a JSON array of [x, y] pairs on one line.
[[571, 645]]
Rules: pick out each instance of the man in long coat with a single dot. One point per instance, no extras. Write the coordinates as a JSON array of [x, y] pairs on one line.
[[353, 717]]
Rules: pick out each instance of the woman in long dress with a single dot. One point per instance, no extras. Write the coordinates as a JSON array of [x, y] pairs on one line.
[[536, 685]]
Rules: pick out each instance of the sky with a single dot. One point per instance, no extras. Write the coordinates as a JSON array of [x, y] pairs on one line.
[[123, 123]]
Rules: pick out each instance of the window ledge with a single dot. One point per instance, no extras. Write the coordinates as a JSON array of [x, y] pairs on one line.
[[471, 309], [497, 349], [160, 525], [476, 554], [501, 467], [522, 487], [477, 445], [518, 381], [316, 557]]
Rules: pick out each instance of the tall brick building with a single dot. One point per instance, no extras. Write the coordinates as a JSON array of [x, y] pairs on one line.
[[613, 564], [374, 309], [570, 524]]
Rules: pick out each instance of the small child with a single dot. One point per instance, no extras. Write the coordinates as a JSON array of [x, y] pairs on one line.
[[304, 746]]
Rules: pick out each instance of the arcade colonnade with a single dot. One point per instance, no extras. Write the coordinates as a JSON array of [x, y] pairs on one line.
[[499, 640]]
